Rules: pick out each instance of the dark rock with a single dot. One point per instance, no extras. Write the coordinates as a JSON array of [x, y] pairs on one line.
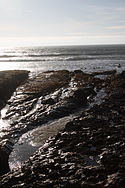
[[122, 75], [49, 101], [9, 81], [77, 71], [89, 151], [81, 94], [110, 72], [2, 104], [4, 156], [118, 95]]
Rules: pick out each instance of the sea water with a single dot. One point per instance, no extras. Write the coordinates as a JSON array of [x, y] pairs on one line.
[[86, 58]]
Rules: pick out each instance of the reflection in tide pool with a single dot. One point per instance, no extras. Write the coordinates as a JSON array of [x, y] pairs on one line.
[[3, 123], [32, 140]]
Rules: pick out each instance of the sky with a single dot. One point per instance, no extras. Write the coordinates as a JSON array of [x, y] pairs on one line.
[[61, 22]]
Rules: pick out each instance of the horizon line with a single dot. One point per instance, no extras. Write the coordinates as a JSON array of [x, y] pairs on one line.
[[62, 45]]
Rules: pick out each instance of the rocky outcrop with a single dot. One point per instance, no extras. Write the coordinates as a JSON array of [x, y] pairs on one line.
[[89, 151], [4, 166], [5, 150], [9, 81], [48, 96]]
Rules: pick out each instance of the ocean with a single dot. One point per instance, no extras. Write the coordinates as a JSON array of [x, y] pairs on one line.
[[86, 58]]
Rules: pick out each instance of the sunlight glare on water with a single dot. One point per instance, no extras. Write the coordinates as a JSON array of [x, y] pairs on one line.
[[86, 58], [3, 123], [6, 66]]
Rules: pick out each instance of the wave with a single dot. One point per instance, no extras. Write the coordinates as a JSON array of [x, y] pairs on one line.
[[63, 59], [7, 56], [67, 55], [58, 54]]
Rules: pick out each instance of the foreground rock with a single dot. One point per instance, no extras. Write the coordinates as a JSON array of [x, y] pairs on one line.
[[89, 152], [5, 150], [50, 95], [9, 81]]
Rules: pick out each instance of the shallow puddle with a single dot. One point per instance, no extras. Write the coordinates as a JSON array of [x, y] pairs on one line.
[[3, 123], [32, 140]]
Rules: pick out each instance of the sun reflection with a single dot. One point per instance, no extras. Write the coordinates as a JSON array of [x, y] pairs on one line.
[[6, 66], [3, 123]]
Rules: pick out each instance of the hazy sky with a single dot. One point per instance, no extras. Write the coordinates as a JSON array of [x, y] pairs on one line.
[[61, 22]]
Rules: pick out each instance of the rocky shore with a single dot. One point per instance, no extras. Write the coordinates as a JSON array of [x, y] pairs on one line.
[[9, 81], [89, 151]]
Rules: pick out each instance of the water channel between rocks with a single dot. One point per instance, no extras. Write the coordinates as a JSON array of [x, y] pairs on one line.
[[3, 123], [34, 139]]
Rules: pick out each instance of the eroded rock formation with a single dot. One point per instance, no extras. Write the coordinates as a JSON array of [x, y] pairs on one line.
[[89, 151]]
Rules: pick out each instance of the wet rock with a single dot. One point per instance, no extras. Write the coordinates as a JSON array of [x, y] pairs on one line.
[[81, 94], [89, 151], [110, 72], [9, 81], [49, 101], [46, 100], [6, 147], [78, 71], [118, 96], [2, 104], [122, 75]]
